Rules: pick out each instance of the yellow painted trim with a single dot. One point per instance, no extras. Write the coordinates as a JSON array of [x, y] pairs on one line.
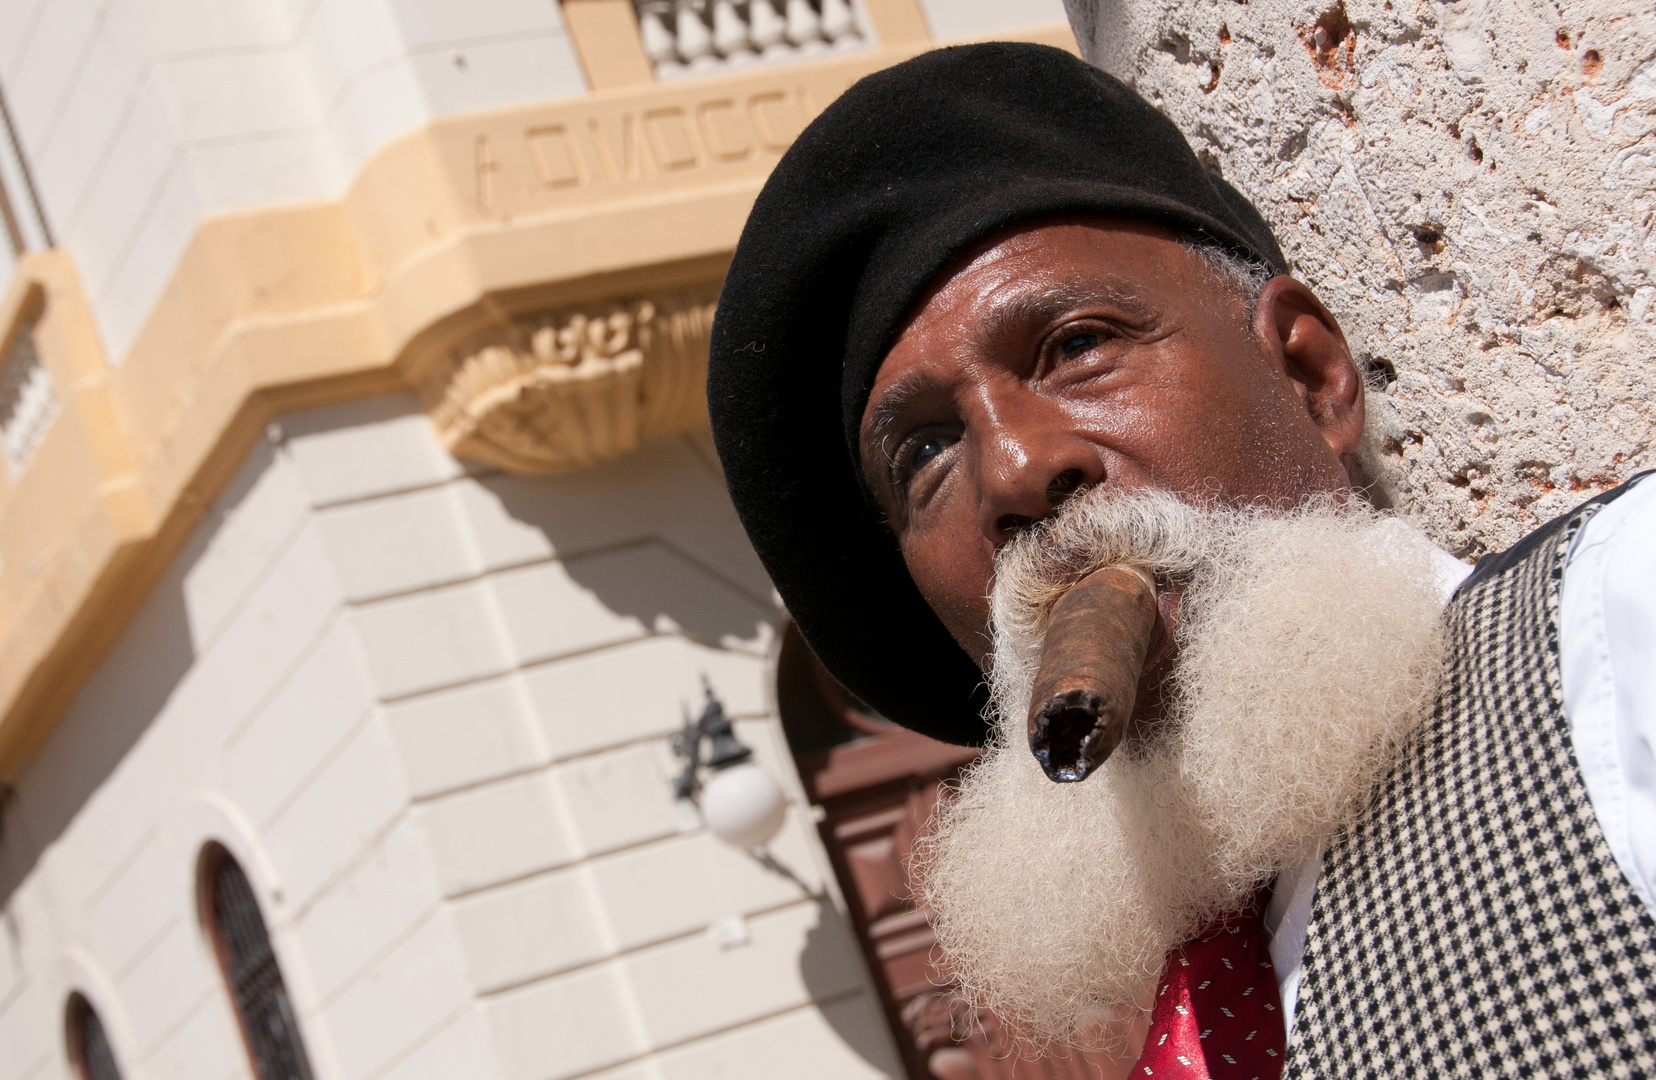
[[445, 235], [605, 33], [901, 22]]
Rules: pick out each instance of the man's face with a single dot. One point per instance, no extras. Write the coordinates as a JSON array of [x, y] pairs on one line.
[[1069, 355]]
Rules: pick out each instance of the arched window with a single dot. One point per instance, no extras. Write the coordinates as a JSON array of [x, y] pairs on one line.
[[231, 914], [89, 1049]]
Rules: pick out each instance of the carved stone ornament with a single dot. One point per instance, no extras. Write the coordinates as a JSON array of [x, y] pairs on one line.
[[575, 387]]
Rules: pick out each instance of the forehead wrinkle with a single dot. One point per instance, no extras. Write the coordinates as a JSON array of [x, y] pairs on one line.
[[1011, 318]]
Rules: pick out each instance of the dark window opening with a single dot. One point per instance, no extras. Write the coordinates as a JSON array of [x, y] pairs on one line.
[[237, 928], [90, 1054]]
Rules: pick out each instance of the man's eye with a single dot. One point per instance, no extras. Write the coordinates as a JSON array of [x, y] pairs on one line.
[[1076, 344], [916, 454]]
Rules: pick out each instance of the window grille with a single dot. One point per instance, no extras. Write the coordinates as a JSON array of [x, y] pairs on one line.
[[89, 1050], [250, 970], [28, 400], [690, 37]]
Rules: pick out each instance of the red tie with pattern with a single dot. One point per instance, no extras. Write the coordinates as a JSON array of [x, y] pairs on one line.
[[1217, 1012]]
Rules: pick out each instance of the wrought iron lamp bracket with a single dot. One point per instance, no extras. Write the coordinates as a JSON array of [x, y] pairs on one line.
[[723, 748]]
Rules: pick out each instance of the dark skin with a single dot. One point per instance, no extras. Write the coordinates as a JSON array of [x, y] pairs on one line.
[[1063, 355]]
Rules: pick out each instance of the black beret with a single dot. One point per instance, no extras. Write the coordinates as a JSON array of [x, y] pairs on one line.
[[896, 178]]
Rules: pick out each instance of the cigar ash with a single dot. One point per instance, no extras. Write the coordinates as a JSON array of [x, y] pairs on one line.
[[1074, 734]]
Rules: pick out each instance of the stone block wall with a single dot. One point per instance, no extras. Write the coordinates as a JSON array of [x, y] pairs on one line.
[[1470, 187], [427, 707]]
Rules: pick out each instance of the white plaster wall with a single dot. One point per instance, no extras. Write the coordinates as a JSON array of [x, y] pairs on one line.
[[140, 117], [958, 20], [428, 710], [1471, 189]]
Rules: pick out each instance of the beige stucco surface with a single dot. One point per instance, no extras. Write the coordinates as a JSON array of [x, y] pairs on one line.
[[1470, 187]]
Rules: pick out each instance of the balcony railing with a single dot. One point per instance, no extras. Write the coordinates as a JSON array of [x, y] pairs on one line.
[[28, 402], [692, 37]]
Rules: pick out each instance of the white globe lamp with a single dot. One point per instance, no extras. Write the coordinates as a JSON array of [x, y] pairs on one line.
[[743, 805], [740, 801]]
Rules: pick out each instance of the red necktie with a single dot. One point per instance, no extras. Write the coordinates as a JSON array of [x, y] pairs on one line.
[[1217, 1012]]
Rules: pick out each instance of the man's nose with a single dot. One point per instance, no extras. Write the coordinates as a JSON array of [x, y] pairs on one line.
[[1030, 466]]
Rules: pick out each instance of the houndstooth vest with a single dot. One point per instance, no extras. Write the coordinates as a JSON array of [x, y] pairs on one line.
[[1476, 923]]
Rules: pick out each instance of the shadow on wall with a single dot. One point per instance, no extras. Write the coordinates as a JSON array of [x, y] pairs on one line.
[[829, 951], [139, 675], [822, 965], [653, 536]]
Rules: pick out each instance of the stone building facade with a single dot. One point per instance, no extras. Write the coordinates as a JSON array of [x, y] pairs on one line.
[[359, 526], [360, 533]]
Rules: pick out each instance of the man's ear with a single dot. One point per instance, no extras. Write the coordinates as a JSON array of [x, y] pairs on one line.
[[1296, 332]]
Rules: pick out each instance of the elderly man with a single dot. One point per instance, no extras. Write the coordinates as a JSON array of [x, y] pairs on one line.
[[991, 331]]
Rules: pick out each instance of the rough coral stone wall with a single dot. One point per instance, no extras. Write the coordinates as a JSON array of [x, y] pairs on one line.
[[1470, 188]]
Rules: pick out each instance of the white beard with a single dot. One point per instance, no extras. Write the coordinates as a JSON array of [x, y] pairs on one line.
[[1307, 652]]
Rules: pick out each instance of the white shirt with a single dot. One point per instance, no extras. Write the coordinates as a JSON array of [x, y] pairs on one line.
[[1607, 661]]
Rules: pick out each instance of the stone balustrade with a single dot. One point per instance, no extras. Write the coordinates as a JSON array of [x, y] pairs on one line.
[[691, 37]]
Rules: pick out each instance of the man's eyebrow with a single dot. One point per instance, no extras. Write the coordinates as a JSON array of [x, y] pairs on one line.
[[1012, 318], [883, 419]]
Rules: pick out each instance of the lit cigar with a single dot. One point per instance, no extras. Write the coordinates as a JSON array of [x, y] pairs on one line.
[[1096, 644]]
